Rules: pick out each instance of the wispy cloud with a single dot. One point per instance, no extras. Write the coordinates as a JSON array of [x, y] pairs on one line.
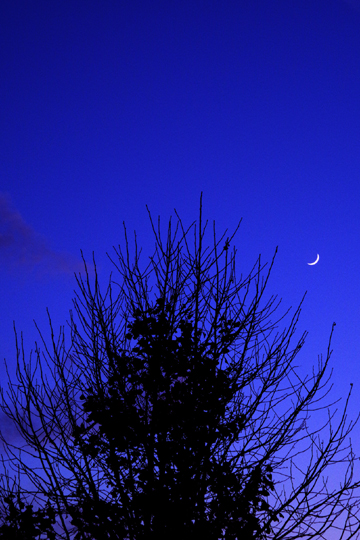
[[22, 247]]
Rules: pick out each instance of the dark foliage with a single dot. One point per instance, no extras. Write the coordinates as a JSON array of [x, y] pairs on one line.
[[169, 438], [23, 523]]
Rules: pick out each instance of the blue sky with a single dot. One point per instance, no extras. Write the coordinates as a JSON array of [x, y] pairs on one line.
[[109, 106]]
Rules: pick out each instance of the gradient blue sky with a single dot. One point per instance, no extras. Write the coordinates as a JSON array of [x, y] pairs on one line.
[[107, 106]]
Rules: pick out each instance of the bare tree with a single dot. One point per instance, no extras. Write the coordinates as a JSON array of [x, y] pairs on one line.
[[177, 411]]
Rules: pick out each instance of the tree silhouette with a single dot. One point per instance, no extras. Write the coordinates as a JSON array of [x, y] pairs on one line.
[[177, 411], [22, 523]]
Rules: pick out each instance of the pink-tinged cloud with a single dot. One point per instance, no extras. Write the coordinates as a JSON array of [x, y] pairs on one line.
[[22, 247]]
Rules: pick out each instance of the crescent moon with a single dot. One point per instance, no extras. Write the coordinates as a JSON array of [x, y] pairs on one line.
[[317, 260]]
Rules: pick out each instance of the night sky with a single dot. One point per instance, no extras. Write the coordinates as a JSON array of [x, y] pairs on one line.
[[109, 106]]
